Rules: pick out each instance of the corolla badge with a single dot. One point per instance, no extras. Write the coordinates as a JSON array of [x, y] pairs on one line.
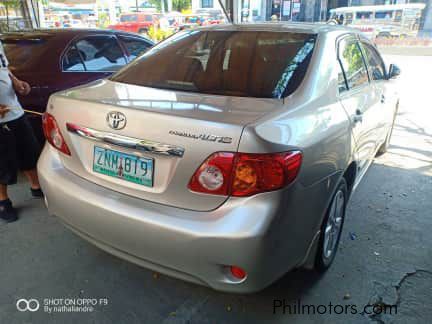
[[116, 120]]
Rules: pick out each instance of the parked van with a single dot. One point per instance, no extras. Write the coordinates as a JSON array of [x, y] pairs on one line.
[[389, 21]]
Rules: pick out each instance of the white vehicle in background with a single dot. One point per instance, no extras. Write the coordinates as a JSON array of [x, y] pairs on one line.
[[397, 20]]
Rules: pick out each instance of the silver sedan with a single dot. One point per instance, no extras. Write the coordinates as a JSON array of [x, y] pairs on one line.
[[224, 155]]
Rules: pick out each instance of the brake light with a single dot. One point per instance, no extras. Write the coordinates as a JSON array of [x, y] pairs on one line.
[[53, 134], [245, 174], [213, 176]]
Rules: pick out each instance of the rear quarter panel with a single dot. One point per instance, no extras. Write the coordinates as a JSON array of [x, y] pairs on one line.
[[313, 121]]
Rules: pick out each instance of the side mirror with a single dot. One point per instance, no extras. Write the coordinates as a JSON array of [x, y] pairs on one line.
[[394, 71]]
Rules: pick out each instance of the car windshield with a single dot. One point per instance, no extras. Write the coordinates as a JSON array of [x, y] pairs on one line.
[[128, 18], [232, 63], [22, 52]]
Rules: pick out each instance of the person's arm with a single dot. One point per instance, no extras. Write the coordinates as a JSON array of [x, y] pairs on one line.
[[22, 87], [3, 110]]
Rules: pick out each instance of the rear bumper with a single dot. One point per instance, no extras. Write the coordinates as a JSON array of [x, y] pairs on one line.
[[190, 245]]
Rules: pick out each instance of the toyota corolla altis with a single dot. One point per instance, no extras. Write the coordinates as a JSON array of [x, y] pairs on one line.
[[224, 155]]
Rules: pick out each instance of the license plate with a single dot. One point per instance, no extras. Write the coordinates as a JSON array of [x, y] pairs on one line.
[[123, 166]]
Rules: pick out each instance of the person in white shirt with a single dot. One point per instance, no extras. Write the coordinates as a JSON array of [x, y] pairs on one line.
[[19, 148]]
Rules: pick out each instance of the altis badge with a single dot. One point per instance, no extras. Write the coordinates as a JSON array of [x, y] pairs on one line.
[[203, 137]]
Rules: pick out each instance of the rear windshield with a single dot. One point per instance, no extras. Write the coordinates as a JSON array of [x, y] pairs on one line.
[[232, 63], [22, 52]]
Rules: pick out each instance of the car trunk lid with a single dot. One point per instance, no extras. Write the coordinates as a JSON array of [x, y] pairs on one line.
[[177, 131]]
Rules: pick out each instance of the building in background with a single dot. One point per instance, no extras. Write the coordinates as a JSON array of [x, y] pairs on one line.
[[22, 14], [18, 15], [426, 24], [303, 10], [206, 6]]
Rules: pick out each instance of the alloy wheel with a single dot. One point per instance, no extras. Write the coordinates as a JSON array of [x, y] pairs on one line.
[[334, 225]]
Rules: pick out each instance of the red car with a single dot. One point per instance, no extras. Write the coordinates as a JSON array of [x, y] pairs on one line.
[[56, 59], [136, 22]]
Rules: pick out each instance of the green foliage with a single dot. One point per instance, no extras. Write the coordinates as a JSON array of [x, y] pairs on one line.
[[180, 5], [103, 20], [177, 5], [158, 34], [158, 4], [11, 3], [352, 54]]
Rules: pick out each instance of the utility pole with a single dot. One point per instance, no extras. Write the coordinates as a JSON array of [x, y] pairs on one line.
[[40, 10], [112, 12], [232, 13]]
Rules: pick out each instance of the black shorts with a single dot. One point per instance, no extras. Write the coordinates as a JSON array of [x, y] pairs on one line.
[[19, 149]]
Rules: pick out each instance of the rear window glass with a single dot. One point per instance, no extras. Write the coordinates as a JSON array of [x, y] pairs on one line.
[[23, 52], [364, 15], [128, 18], [101, 53], [231, 63], [384, 14]]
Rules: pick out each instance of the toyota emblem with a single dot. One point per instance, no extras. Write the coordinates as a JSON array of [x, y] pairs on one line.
[[116, 120]]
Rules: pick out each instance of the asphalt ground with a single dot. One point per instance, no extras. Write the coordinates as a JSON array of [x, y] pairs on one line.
[[385, 256]]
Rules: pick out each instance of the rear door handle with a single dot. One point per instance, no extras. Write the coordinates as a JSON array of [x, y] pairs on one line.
[[358, 117]]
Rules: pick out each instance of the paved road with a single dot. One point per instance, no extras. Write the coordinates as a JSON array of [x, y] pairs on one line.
[[385, 255]]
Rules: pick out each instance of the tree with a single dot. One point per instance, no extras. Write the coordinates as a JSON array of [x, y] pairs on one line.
[[180, 5], [352, 54], [177, 5], [11, 3], [158, 4]]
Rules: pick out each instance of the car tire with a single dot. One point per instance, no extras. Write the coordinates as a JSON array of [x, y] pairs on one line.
[[384, 146], [331, 228]]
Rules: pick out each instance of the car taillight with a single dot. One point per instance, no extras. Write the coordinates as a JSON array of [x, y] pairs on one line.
[[214, 175], [53, 134], [245, 174], [255, 173]]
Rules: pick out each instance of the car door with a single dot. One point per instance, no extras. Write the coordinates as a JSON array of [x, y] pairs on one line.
[[91, 58], [377, 73], [358, 98], [134, 46], [134, 24]]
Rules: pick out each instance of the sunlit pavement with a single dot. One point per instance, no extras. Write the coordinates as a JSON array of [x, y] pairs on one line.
[[385, 256]]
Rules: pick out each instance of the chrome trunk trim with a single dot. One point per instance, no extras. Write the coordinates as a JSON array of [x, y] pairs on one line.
[[125, 141]]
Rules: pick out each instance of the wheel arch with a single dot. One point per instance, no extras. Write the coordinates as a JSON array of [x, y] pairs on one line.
[[350, 175]]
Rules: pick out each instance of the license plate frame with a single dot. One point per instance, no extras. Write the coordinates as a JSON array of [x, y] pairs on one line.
[[111, 168]]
